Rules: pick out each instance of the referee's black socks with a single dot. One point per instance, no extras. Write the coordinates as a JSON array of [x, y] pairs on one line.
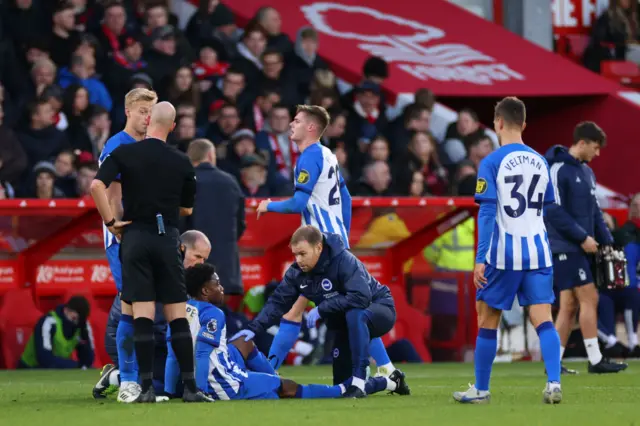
[[145, 347], [182, 344]]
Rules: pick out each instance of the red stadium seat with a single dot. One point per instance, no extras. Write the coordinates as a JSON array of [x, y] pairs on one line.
[[411, 324], [18, 317], [624, 72]]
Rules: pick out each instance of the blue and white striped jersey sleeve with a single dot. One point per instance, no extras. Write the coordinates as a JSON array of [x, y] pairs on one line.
[[211, 325], [486, 183], [308, 169]]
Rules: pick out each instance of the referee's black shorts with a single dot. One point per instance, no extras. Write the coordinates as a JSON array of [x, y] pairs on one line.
[[152, 267]]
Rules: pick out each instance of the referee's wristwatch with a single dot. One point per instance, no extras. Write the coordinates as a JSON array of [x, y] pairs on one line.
[[110, 223]]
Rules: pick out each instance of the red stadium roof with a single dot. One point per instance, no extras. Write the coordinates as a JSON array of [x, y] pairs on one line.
[[434, 44]]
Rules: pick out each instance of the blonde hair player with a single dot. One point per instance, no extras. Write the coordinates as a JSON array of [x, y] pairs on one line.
[[137, 106]]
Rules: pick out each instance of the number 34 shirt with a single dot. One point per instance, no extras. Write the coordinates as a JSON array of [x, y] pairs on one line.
[[516, 178], [317, 173]]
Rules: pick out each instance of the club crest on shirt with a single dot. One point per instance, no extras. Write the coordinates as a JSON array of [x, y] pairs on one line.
[[303, 177], [481, 186], [212, 326], [326, 285]]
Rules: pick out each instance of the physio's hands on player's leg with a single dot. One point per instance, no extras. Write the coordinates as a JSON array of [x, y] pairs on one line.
[[479, 280], [247, 334]]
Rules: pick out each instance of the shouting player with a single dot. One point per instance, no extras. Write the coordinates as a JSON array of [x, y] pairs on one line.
[[237, 370], [323, 200], [137, 104], [513, 255]]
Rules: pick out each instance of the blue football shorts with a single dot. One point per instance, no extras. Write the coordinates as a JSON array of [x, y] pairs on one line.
[[533, 287], [113, 257]]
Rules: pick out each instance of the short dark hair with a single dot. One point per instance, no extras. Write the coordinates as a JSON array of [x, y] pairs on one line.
[[317, 114], [254, 27], [375, 66], [268, 89], [197, 276], [307, 233], [271, 51], [414, 111], [471, 113], [426, 97], [589, 131], [96, 111], [80, 304], [33, 106], [235, 70], [512, 111], [91, 165], [335, 112]]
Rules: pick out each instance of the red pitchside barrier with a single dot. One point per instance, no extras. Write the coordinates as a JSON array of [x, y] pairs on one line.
[[54, 247]]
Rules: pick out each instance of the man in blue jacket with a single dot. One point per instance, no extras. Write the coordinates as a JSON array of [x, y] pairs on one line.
[[57, 335], [575, 228], [347, 297]]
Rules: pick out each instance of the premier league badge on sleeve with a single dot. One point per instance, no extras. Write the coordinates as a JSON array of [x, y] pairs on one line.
[[212, 326]]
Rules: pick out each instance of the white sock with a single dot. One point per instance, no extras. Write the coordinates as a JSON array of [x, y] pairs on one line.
[[631, 333], [633, 340], [391, 385], [114, 378], [562, 348], [342, 388], [388, 366], [611, 341], [593, 350], [357, 382], [123, 384]]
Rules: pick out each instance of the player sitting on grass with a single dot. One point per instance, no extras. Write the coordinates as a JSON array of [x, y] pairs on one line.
[[238, 370]]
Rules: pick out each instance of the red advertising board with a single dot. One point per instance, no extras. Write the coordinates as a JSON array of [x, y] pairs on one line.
[[575, 16]]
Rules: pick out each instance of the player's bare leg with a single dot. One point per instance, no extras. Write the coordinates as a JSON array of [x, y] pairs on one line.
[[541, 319], [485, 353], [587, 296], [564, 322]]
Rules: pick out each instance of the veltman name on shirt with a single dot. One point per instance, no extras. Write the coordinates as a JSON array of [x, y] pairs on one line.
[[523, 159]]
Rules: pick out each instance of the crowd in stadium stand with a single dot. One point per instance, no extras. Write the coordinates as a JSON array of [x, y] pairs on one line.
[[66, 66]]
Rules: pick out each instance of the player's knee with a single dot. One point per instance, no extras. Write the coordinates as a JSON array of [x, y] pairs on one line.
[[488, 317], [539, 314], [568, 304], [355, 316], [288, 389], [245, 348], [587, 296]]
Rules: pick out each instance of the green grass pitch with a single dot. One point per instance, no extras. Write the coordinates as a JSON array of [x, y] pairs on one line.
[[46, 398]]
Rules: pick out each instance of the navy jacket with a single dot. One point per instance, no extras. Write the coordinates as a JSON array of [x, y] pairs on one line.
[[338, 283], [218, 212], [576, 213], [44, 333]]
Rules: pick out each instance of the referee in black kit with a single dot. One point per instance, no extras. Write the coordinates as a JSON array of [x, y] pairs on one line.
[[158, 185]]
